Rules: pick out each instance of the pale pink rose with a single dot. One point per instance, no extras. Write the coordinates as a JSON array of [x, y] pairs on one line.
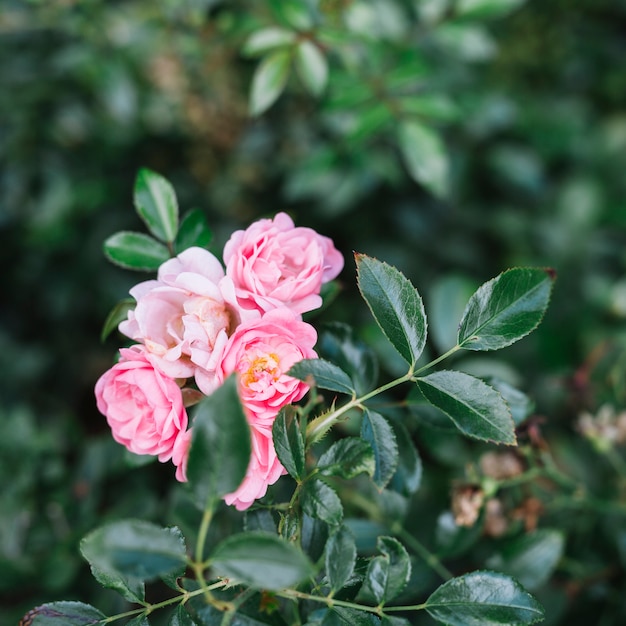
[[180, 455], [143, 407], [184, 317], [261, 352], [263, 470], [273, 263]]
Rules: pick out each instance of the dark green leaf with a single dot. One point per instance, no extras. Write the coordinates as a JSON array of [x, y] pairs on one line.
[[342, 616], [135, 251], [395, 304], [312, 66], [134, 549], [155, 201], [477, 409], [269, 80], [221, 445], [181, 617], [388, 574], [532, 558], [266, 39], [293, 13], [321, 502], [288, 442], [140, 620], [454, 540], [519, 403], [408, 475], [340, 558], [348, 458], [194, 231], [261, 560], [118, 314], [326, 375], [63, 614], [375, 429], [483, 599], [506, 309], [425, 156]]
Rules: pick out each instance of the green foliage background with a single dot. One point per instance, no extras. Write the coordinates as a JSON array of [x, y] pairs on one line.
[[531, 108]]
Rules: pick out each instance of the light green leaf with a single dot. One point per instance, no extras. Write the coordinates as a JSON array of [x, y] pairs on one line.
[[312, 67], [506, 308], [326, 375], [156, 204], [376, 430], [532, 558], [266, 39], [288, 442], [135, 251], [477, 409], [348, 458], [425, 156], [340, 558], [482, 9], [483, 599], [63, 614], [261, 560], [269, 80], [134, 549], [321, 501], [221, 445], [194, 231], [395, 304]]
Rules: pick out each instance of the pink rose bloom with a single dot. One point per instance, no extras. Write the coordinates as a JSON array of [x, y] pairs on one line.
[[274, 264], [184, 317], [180, 455], [264, 470], [261, 351], [143, 407]]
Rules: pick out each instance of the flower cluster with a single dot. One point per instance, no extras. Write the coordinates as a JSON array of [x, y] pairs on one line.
[[199, 323]]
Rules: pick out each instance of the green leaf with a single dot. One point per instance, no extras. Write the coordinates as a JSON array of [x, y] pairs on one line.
[[408, 475], [140, 620], [63, 614], [321, 501], [312, 67], [117, 314], [326, 375], [135, 251], [221, 445], [532, 558], [519, 403], [181, 617], [388, 574], [269, 80], [348, 458], [343, 616], [395, 304], [194, 231], [261, 560], [482, 9], [267, 39], [134, 549], [506, 308], [483, 599], [288, 442], [477, 409], [156, 204], [340, 558], [294, 13], [376, 430], [425, 157]]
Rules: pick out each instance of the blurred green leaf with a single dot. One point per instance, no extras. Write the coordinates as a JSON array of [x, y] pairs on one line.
[[135, 251], [521, 405], [340, 558], [117, 314], [321, 501], [408, 475], [269, 80], [376, 431], [395, 304], [220, 447], [312, 66], [476, 408], [326, 375], [155, 201], [293, 13], [506, 308], [288, 442], [140, 620], [181, 617], [63, 614], [261, 560], [425, 157], [343, 616], [348, 458], [266, 39], [483, 9], [193, 231], [483, 599]]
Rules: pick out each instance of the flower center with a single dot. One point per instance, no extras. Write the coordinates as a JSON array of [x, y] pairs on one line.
[[263, 368]]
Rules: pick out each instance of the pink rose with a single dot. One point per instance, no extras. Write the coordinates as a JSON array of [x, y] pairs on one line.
[[261, 352], [184, 317], [274, 264], [264, 470], [180, 455], [143, 407]]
